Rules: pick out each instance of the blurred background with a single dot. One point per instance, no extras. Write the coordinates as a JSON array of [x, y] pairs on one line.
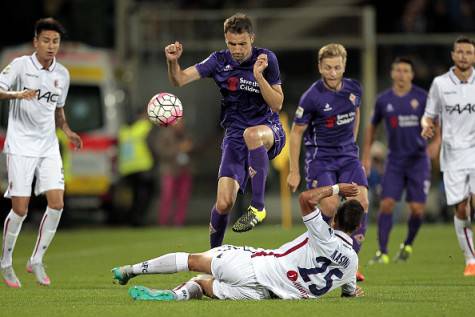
[[114, 51]]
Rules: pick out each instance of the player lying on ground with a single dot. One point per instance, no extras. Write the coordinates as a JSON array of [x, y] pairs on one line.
[[318, 261]]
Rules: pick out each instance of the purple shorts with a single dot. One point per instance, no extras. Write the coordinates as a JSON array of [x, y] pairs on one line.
[[234, 154], [413, 175], [329, 171]]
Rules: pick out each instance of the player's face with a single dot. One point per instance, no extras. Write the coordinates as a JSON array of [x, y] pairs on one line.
[[47, 44], [402, 74], [332, 70], [240, 45], [463, 56]]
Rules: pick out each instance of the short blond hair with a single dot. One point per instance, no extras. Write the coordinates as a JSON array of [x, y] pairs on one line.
[[332, 50]]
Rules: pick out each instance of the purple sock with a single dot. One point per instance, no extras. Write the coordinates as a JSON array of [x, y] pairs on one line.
[[385, 223], [359, 234], [413, 224], [217, 227], [258, 167]]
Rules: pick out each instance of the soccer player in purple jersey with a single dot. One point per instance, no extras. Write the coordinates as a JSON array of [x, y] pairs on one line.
[[328, 119], [401, 107], [249, 80]]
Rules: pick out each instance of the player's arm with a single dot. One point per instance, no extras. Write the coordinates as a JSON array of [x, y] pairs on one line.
[[367, 143], [432, 110], [60, 121], [273, 95], [176, 75], [25, 94], [309, 199], [356, 127], [295, 143], [433, 149]]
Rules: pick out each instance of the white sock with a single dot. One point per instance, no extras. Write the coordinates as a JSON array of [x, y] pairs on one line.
[[188, 290], [46, 232], [463, 230], [11, 230], [168, 263]]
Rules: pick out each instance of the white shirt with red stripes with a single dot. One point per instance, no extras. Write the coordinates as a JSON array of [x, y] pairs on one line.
[[31, 123], [313, 264]]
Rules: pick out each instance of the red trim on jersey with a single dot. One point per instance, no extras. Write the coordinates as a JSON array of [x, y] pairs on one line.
[[468, 241], [40, 233], [278, 255]]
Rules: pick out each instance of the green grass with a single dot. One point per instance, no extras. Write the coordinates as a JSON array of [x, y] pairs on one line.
[[431, 283]]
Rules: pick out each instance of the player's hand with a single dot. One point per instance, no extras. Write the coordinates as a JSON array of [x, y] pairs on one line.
[[366, 162], [75, 140], [359, 292], [260, 65], [26, 94], [173, 51], [348, 190], [428, 129], [293, 181]]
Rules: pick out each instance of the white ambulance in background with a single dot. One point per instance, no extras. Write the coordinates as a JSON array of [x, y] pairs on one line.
[[95, 109]]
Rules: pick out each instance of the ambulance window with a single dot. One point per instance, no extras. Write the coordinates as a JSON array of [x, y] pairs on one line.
[[84, 108]]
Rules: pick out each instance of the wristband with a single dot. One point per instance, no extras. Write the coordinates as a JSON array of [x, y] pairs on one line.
[[335, 189]]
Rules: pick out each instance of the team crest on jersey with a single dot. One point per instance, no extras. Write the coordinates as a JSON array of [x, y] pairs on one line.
[[56, 83], [6, 70], [299, 112], [353, 99], [389, 108], [414, 104]]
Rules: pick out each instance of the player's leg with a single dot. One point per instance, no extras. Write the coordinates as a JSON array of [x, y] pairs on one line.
[[226, 196], [20, 176], [259, 139], [457, 192], [49, 180]]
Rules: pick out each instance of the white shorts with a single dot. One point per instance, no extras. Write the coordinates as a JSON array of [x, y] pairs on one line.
[[21, 170], [459, 185], [234, 276]]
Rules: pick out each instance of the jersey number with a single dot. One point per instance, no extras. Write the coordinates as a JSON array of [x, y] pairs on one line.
[[317, 270]]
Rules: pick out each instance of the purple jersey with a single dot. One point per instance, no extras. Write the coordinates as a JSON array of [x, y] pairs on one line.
[[330, 116], [402, 116], [242, 105]]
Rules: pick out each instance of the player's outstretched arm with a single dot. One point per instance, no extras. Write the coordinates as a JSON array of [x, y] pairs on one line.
[[60, 121], [309, 199], [24, 94], [176, 75], [272, 95], [296, 133]]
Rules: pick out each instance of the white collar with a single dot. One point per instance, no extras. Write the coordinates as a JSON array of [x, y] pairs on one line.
[[38, 65]]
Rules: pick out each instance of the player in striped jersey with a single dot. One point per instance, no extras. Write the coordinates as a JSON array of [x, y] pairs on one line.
[[452, 100], [316, 262]]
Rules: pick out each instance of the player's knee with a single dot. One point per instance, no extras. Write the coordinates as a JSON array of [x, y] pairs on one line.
[[224, 205], [386, 206], [20, 211], [251, 135], [206, 286], [57, 205]]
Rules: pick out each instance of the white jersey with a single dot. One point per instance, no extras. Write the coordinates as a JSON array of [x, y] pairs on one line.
[[31, 123], [454, 103], [315, 263]]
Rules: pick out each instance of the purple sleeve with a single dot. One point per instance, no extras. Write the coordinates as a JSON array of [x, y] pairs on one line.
[[303, 114], [377, 113], [207, 67], [272, 72]]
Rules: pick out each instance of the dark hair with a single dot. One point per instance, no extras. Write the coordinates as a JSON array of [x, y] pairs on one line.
[[404, 60], [463, 39], [238, 23], [348, 216], [49, 24]]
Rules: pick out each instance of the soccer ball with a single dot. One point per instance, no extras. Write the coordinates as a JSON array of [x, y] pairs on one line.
[[164, 109]]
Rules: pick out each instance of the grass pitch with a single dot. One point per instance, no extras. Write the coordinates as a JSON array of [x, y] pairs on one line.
[[431, 283]]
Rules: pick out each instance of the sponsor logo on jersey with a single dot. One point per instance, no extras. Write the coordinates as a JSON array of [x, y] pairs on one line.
[[249, 85], [32, 75], [345, 118], [299, 112], [327, 108], [48, 96], [414, 104], [227, 68], [469, 108], [389, 107]]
